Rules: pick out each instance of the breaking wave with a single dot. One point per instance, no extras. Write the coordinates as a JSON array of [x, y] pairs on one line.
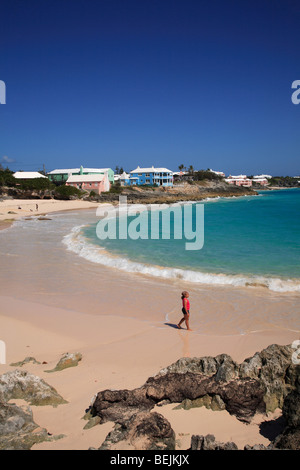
[[78, 244]]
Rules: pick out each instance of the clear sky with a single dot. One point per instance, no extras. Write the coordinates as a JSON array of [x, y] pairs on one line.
[[101, 83]]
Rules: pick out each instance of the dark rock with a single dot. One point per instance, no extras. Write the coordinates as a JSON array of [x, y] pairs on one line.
[[290, 438], [242, 397], [264, 382], [209, 442], [143, 431]]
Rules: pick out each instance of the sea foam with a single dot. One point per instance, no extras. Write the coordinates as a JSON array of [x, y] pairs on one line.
[[78, 244]]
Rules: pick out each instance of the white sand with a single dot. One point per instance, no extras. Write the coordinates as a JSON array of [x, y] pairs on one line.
[[16, 208]]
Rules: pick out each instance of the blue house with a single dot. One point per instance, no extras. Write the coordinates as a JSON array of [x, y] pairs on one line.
[[151, 176]]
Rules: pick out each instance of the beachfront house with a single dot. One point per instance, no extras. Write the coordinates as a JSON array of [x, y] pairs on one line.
[[260, 179], [240, 180], [149, 176], [61, 176], [92, 182], [124, 179], [218, 173], [28, 175]]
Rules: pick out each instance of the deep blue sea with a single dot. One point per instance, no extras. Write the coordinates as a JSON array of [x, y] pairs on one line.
[[247, 240]]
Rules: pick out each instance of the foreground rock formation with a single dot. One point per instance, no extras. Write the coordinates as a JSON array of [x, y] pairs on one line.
[[18, 431], [260, 384]]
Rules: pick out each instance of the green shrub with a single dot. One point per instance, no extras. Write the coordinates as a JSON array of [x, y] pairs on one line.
[[7, 178], [67, 192]]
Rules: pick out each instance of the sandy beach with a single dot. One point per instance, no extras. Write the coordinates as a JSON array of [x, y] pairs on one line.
[[121, 343], [13, 209]]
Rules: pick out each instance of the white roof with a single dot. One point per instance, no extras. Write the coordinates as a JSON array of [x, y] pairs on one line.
[[262, 176], [84, 178], [77, 170], [124, 175], [151, 170], [237, 177], [28, 175]]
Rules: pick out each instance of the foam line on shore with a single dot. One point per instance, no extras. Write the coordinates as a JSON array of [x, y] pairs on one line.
[[78, 244]]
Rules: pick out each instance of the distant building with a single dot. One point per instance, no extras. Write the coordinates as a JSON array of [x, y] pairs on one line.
[[219, 173], [61, 176], [178, 175], [94, 182], [240, 180], [28, 175], [124, 179], [151, 176], [262, 180]]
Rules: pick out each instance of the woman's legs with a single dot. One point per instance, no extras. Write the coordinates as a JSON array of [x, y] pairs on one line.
[[186, 319]]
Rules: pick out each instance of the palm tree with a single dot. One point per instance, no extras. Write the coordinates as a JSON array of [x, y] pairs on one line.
[[181, 167]]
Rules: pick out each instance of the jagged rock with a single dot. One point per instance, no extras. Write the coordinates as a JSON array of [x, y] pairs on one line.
[[21, 384], [214, 403], [25, 361], [290, 438], [259, 447], [275, 371], [242, 397], [209, 442], [221, 366], [93, 421], [18, 431], [143, 431], [68, 360], [262, 382]]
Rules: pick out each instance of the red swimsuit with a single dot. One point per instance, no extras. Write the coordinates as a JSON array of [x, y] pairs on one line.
[[187, 307]]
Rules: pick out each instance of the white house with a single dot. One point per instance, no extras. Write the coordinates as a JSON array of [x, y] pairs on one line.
[[26, 175]]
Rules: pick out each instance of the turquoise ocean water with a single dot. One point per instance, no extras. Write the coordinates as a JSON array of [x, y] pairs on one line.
[[247, 240]]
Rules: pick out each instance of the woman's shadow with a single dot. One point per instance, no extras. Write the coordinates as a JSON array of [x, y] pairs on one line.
[[172, 325]]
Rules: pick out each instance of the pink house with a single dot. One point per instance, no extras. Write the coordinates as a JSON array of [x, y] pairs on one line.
[[95, 182], [240, 180]]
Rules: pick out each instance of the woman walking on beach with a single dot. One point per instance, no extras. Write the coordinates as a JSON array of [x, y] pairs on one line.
[[185, 310]]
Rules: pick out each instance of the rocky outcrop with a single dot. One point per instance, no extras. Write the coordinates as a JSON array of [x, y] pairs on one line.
[[290, 438], [21, 384], [17, 428], [177, 193], [209, 442], [274, 369], [261, 383], [18, 431], [143, 431]]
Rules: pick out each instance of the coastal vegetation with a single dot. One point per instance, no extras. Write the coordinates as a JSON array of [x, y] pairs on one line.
[[284, 181]]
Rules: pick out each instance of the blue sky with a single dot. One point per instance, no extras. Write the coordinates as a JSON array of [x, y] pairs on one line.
[[150, 82]]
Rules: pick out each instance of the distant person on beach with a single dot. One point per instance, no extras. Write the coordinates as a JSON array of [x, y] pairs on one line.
[[185, 310], [36, 207]]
